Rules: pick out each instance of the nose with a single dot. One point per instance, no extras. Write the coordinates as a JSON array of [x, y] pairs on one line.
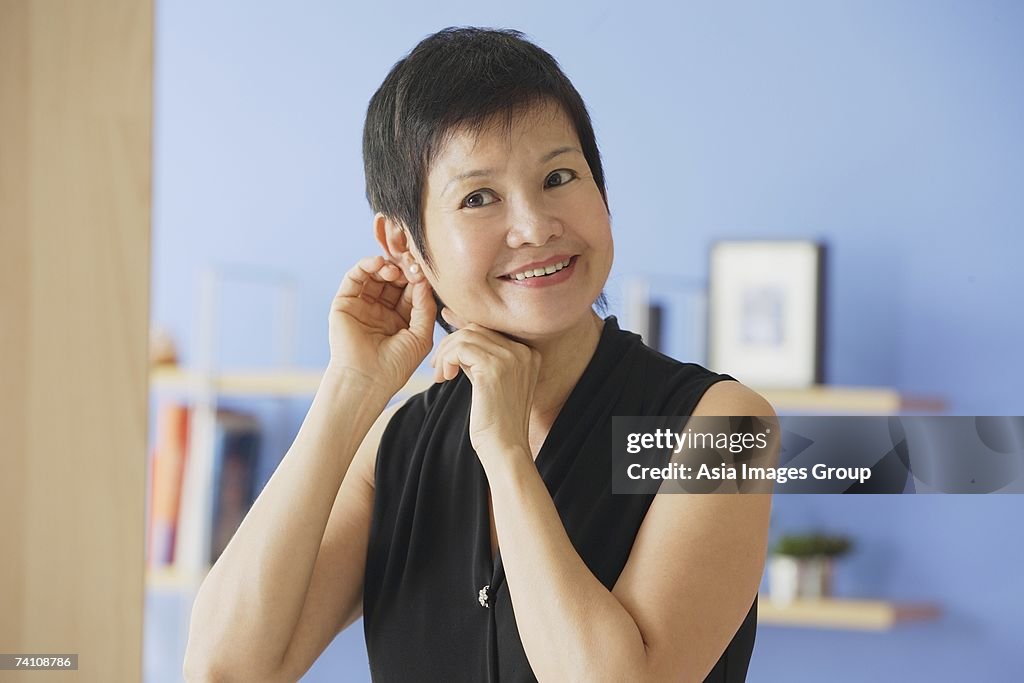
[[532, 224]]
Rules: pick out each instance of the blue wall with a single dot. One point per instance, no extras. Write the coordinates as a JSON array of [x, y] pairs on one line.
[[891, 130]]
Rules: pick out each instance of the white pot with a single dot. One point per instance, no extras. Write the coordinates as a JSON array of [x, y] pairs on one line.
[[815, 578], [790, 578], [783, 579]]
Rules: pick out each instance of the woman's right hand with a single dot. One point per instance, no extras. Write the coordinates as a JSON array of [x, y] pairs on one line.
[[381, 325]]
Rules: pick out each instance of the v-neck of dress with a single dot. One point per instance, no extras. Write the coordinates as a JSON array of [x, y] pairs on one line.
[[609, 329]]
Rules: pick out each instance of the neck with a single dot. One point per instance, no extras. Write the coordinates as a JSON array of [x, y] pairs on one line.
[[564, 357]]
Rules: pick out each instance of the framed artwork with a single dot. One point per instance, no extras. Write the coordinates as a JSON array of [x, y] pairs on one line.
[[766, 312]]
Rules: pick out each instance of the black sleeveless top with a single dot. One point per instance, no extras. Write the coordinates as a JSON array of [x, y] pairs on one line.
[[429, 558]]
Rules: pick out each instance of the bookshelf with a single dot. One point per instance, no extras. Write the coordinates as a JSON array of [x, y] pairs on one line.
[[171, 590], [819, 399], [205, 388], [203, 391]]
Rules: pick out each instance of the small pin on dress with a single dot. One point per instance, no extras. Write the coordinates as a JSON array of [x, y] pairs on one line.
[[482, 596]]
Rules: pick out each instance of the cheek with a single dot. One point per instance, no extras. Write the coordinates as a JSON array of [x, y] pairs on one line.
[[595, 221], [463, 245], [451, 242], [467, 262], [462, 261]]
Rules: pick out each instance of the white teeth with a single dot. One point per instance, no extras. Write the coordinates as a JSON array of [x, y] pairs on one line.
[[537, 272]]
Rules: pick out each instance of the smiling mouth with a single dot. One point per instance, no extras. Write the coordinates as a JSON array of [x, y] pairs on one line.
[[539, 272]]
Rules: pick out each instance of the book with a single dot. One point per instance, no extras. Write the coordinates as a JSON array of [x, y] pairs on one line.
[[218, 486], [166, 471], [236, 459]]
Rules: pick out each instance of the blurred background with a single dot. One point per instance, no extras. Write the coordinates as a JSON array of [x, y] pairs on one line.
[[888, 131]]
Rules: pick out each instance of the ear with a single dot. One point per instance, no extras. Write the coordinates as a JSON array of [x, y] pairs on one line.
[[395, 241]]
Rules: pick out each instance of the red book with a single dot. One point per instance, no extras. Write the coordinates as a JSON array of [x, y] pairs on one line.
[[169, 454]]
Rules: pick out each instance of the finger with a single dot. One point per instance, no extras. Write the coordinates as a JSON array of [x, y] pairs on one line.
[[361, 273], [422, 309], [373, 288], [437, 356], [438, 376], [466, 355], [467, 335], [385, 285], [404, 304], [460, 323], [392, 294], [489, 336], [392, 273]]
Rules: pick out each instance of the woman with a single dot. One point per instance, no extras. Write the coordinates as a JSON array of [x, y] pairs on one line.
[[481, 541]]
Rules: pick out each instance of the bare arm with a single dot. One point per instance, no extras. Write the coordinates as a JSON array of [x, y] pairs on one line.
[[690, 580], [333, 605], [292, 575], [249, 607]]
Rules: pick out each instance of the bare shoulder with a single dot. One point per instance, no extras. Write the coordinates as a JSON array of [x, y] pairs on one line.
[[693, 572], [729, 397]]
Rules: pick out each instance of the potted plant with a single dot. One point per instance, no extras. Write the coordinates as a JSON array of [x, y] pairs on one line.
[[801, 566]]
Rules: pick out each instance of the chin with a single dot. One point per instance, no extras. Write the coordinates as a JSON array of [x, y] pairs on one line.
[[538, 325]]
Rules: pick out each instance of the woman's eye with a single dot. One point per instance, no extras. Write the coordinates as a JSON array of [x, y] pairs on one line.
[[559, 177], [478, 199]]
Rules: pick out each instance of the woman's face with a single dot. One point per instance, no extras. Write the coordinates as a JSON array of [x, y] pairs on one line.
[[501, 204]]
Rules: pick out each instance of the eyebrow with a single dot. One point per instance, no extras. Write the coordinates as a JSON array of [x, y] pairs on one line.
[[556, 152], [484, 172]]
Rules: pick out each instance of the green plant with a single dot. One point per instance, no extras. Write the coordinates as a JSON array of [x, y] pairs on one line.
[[812, 545]]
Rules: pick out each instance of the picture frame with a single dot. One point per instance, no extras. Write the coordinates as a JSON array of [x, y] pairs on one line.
[[766, 312]]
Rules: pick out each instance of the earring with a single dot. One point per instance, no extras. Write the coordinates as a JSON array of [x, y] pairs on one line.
[[414, 268]]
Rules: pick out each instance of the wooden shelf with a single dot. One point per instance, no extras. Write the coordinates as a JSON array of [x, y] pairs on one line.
[[293, 383], [173, 580], [859, 615], [254, 383], [832, 399]]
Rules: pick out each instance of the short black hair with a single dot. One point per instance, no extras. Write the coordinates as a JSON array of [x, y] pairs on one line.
[[460, 78]]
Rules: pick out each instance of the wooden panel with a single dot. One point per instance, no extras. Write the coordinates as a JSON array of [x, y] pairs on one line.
[[14, 318], [75, 129]]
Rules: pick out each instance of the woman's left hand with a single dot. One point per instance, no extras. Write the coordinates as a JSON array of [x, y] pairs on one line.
[[504, 375]]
